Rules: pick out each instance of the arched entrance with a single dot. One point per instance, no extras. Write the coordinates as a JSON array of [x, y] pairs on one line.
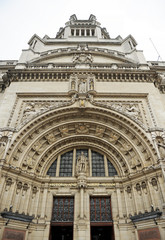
[[85, 156]]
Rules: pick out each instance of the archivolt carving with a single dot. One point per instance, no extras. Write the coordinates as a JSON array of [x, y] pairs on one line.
[[124, 141]]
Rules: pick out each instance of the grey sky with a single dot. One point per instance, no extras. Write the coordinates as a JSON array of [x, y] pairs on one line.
[[143, 19]]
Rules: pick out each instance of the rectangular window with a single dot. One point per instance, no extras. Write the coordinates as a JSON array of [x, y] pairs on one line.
[[100, 209], [63, 209]]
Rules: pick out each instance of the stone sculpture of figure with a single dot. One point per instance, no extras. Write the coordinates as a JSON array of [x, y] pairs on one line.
[[82, 87], [73, 85], [161, 147], [133, 111], [126, 148], [113, 138], [91, 84], [82, 163], [50, 138]]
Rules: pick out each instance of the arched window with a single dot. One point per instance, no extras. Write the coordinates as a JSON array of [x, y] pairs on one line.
[[99, 165]]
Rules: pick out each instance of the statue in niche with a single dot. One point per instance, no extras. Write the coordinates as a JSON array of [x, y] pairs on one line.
[[91, 84], [82, 164], [161, 146], [73, 85], [82, 86]]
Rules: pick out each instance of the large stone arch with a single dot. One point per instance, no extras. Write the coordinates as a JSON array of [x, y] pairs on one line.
[[39, 141]]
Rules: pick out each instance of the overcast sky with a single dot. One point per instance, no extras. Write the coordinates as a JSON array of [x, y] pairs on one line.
[[143, 19]]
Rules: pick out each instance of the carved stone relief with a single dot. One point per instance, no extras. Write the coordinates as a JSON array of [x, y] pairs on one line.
[[82, 128], [126, 150], [131, 109], [82, 83], [82, 58], [34, 108]]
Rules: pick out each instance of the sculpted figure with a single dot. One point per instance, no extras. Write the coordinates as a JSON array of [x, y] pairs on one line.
[[82, 163], [37, 147], [113, 138], [82, 87], [82, 128], [64, 131], [126, 148], [91, 84], [50, 138], [29, 162], [73, 85], [99, 131], [132, 110]]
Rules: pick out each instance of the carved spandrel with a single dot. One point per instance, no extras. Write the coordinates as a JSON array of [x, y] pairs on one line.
[[128, 108], [33, 109]]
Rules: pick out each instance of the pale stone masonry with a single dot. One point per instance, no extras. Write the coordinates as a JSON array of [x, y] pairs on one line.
[[82, 138]]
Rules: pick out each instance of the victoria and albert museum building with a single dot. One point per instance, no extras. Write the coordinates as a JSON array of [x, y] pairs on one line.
[[82, 138]]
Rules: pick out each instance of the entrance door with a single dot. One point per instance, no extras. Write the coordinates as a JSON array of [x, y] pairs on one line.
[[61, 232], [101, 233], [62, 219], [101, 218]]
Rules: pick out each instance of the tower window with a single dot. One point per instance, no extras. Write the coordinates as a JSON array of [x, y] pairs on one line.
[[77, 32], [88, 32], [72, 32]]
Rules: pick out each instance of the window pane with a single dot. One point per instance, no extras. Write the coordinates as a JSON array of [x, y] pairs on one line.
[[63, 209], [98, 169], [52, 170], [100, 209], [111, 170], [66, 164]]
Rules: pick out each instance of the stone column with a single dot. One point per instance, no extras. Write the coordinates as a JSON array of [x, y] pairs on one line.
[[43, 205], [119, 201]]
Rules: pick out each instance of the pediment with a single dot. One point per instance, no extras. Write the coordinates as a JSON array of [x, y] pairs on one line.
[[69, 56]]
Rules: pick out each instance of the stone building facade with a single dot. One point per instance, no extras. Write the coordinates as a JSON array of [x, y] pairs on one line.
[[82, 139]]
